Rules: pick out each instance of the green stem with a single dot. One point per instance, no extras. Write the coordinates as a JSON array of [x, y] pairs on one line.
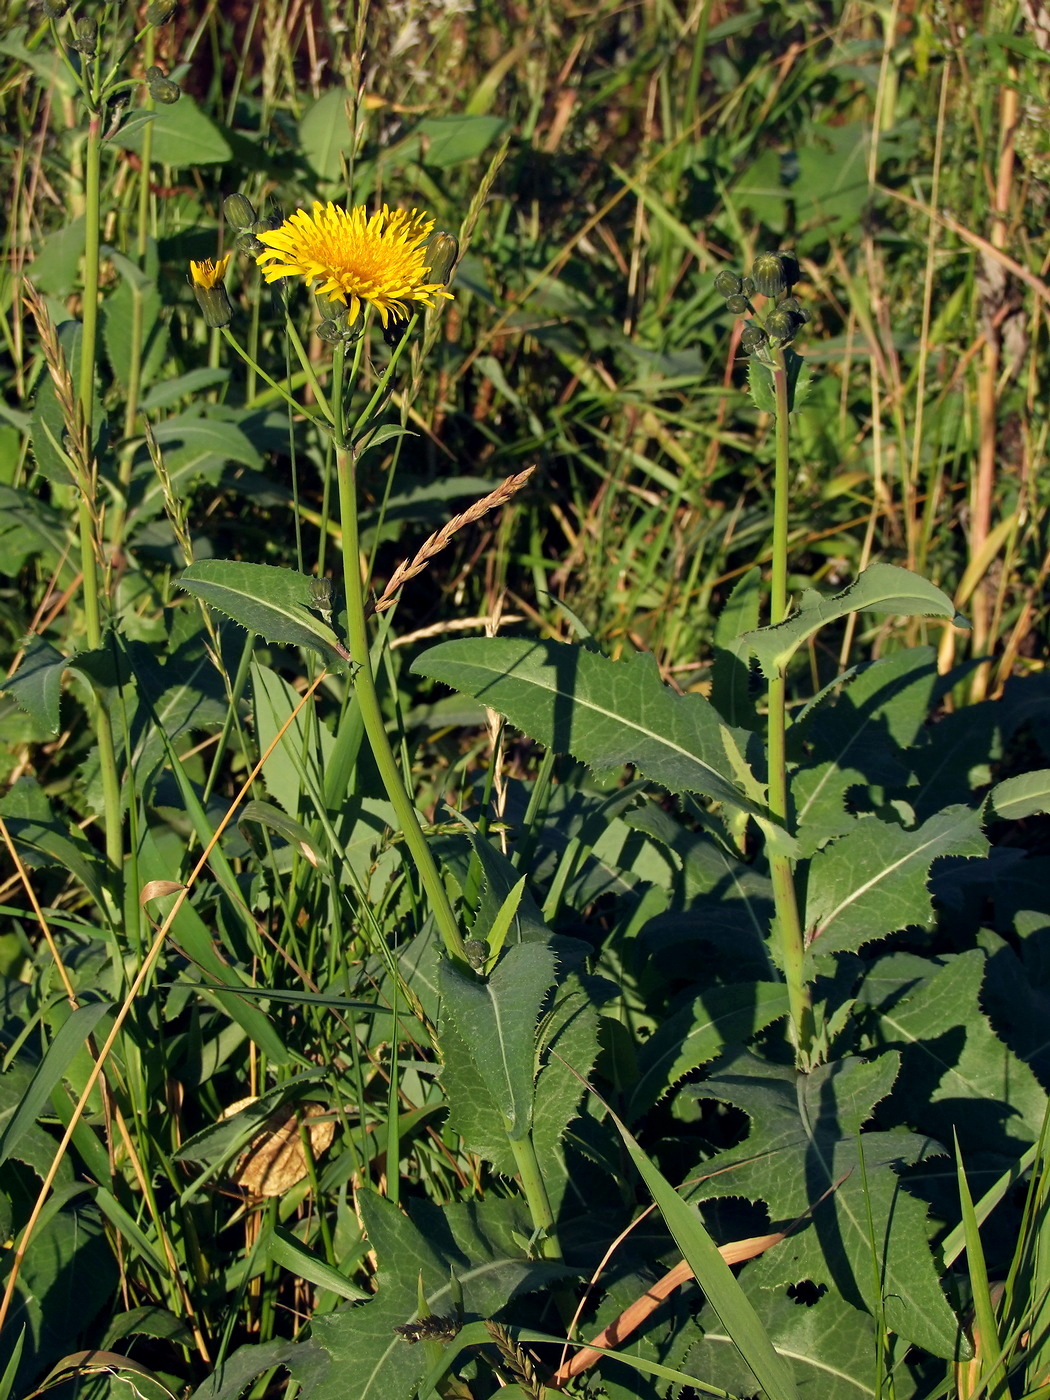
[[524, 1151], [367, 696], [85, 503], [785, 895]]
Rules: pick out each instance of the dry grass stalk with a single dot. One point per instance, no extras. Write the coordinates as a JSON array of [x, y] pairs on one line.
[[440, 538], [76, 447]]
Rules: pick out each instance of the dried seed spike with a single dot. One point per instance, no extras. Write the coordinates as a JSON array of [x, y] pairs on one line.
[[440, 538]]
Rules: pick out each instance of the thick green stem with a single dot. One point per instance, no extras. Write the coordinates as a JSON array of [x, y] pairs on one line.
[[86, 514], [371, 712], [524, 1150], [785, 895]]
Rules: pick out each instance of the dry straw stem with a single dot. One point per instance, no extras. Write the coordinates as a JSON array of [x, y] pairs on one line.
[[437, 541], [633, 1316], [118, 1022]]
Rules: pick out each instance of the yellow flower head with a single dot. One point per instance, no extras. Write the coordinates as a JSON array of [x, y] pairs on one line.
[[352, 258], [206, 273]]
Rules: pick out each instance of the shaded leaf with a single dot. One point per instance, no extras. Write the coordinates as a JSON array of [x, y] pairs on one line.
[[873, 881], [804, 1144], [605, 713]]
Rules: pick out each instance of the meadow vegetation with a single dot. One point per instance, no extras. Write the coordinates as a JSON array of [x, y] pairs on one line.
[[525, 763]]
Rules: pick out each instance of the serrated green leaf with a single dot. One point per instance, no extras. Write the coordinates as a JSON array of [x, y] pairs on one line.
[[272, 602], [37, 684], [361, 1339], [714, 1276], [881, 588], [496, 1020], [695, 1035], [605, 713], [1027, 795], [958, 1075], [763, 386], [830, 1346], [804, 1149], [873, 881]]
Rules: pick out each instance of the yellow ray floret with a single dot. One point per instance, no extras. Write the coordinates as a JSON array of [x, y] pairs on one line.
[[207, 273], [379, 260]]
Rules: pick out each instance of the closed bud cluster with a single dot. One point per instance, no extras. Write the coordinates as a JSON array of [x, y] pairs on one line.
[[160, 11], [239, 210], [86, 36], [161, 88]]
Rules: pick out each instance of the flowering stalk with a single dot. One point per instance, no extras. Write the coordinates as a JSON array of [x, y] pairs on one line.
[[765, 339], [785, 894]]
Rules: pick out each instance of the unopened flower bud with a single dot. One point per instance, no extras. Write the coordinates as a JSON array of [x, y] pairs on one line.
[[160, 11], [782, 326], [161, 88], [752, 338], [55, 9], [748, 287], [332, 308], [728, 284], [736, 304], [211, 295], [86, 36], [767, 272], [477, 951], [331, 331], [239, 210], [442, 250], [796, 308]]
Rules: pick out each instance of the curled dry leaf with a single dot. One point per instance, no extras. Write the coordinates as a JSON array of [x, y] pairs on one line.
[[274, 1160], [157, 889]]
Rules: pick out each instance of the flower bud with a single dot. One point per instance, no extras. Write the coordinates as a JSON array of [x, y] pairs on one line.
[[86, 36], [748, 288], [737, 305], [442, 250], [239, 210], [206, 278], [782, 326], [728, 284], [752, 338], [332, 308], [162, 89], [789, 263], [55, 9], [796, 308], [768, 275], [477, 951], [330, 331], [160, 11]]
